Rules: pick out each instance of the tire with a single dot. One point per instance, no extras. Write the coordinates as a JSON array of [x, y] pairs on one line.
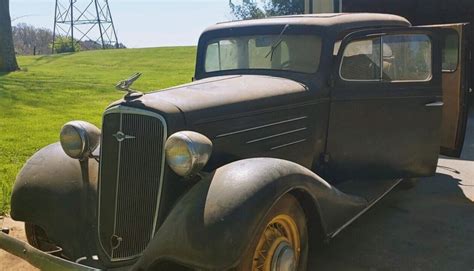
[[283, 228], [36, 236], [409, 183]]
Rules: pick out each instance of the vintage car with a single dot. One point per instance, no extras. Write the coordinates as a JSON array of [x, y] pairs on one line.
[[292, 128]]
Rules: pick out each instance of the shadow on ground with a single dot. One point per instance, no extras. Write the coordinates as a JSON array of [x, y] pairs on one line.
[[45, 59], [428, 228]]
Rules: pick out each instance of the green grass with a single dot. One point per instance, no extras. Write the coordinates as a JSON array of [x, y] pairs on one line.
[[52, 90]]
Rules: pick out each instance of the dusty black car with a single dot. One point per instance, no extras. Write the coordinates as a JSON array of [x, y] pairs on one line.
[[292, 129]]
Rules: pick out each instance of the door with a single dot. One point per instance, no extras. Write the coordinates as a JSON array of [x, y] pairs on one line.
[[456, 79], [386, 105]]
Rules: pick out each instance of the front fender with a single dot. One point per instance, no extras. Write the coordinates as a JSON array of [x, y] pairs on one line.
[[212, 225], [47, 193]]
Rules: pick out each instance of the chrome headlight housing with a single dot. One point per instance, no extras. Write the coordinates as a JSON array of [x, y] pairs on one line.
[[79, 139], [187, 152]]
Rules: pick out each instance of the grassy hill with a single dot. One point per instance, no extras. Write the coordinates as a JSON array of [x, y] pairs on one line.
[[52, 90]]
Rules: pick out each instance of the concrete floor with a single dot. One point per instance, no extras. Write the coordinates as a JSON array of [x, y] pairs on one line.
[[430, 227]]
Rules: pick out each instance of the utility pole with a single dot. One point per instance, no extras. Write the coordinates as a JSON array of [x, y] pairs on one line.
[[86, 21]]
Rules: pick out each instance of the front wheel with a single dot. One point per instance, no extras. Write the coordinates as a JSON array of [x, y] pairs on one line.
[[282, 240], [37, 237]]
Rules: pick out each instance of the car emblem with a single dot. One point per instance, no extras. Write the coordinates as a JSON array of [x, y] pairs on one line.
[[120, 136], [115, 241]]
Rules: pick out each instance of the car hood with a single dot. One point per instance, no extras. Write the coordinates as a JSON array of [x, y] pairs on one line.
[[224, 96]]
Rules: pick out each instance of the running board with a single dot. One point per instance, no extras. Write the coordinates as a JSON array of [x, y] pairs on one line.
[[334, 234]]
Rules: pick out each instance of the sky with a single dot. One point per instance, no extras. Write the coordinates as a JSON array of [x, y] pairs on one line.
[[139, 23]]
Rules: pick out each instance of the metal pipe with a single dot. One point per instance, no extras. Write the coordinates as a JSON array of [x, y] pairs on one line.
[[38, 258]]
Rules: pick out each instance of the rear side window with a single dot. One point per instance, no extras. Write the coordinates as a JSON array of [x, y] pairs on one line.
[[388, 58], [450, 53]]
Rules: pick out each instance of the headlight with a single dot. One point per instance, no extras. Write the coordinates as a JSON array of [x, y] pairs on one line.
[[187, 152], [79, 139]]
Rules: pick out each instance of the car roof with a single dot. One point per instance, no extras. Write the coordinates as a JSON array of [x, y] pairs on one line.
[[332, 21]]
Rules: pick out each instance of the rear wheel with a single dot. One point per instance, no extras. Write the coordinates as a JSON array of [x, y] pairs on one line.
[[282, 240]]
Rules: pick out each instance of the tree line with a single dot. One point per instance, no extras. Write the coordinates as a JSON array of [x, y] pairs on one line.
[[30, 40]]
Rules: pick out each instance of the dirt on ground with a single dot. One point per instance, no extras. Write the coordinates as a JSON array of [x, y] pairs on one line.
[[8, 261]]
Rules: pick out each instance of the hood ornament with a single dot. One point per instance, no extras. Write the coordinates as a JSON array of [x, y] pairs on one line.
[[125, 85]]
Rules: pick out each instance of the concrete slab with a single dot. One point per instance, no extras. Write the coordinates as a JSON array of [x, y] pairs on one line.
[[430, 227]]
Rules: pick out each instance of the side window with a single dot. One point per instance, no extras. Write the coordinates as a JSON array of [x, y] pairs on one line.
[[450, 52], [406, 58], [361, 61], [388, 58]]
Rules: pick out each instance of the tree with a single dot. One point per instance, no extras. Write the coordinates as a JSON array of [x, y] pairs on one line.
[[250, 9], [283, 7], [247, 10], [63, 45], [7, 51]]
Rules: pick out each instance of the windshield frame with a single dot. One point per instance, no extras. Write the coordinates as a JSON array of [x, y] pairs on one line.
[[276, 29]]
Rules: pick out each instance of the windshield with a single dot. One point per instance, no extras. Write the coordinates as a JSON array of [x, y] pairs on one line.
[[298, 53]]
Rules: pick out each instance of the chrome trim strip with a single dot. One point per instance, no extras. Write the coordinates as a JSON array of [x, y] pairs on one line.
[[332, 235], [99, 192], [288, 144], [260, 127], [130, 110], [276, 135], [435, 104], [117, 182]]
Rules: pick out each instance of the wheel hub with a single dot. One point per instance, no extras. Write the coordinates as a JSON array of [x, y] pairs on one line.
[[284, 258]]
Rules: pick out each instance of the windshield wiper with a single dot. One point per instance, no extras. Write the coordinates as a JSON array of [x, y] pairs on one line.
[[277, 42]]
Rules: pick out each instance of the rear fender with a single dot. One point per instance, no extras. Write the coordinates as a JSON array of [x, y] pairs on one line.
[[212, 225]]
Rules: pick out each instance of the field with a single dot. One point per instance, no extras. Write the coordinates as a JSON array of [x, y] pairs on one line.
[[52, 90]]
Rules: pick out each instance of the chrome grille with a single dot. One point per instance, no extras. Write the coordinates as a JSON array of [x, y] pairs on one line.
[[132, 162]]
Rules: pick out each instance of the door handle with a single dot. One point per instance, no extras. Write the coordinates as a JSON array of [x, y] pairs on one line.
[[434, 104]]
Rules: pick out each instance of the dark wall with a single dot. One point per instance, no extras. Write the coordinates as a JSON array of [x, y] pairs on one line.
[[422, 12], [417, 11]]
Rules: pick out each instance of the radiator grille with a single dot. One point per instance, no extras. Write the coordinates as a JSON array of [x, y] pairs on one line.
[[130, 180]]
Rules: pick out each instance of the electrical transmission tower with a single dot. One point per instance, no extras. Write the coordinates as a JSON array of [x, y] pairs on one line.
[[88, 22]]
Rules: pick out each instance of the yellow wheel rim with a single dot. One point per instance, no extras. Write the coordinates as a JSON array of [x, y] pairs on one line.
[[280, 235]]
